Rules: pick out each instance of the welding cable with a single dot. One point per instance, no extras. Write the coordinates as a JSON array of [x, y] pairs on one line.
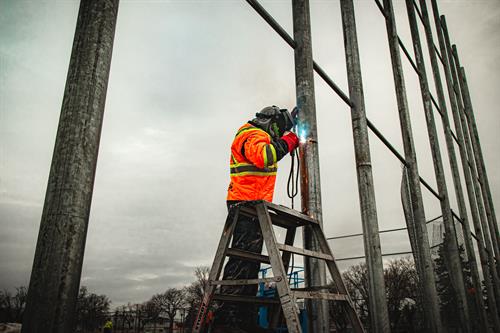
[[292, 191], [293, 178]]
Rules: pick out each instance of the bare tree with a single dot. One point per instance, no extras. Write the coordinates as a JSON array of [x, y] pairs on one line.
[[126, 314], [197, 289], [356, 282], [195, 293], [92, 309], [12, 306], [170, 302], [401, 283], [151, 311]]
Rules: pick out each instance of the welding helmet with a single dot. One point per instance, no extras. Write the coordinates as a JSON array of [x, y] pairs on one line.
[[274, 120]]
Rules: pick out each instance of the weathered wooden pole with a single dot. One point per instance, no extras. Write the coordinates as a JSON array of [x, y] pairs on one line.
[[452, 258], [478, 154], [471, 255], [477, 211], [427, 278], [310, 188], [55, 277], [379, 315]]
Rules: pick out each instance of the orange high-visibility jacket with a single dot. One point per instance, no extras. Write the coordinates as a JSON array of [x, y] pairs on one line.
[[253, 165]]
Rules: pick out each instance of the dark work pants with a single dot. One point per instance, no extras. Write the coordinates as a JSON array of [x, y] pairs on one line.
[[247, 236]]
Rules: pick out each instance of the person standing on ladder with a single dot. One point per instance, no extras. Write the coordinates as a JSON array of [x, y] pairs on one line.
[[257, 147]]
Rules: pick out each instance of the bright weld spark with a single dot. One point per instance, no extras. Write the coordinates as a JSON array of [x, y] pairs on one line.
[[302, 135]]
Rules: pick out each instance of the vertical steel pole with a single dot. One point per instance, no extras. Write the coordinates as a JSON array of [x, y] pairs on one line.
[[470, 152], [477, 212], [427, 278], [476, 281], [478, 154], [315, 272], [379, 315], [452, 259], [55, 277]]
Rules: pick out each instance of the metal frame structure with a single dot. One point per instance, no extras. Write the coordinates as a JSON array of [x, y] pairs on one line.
[[59, 253]]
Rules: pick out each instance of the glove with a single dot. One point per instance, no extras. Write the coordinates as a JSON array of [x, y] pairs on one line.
[[291, 140]]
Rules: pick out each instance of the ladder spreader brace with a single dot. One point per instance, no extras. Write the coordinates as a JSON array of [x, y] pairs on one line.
[[270, 214]]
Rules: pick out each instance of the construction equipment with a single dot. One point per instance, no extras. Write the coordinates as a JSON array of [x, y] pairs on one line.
[[269, 215]]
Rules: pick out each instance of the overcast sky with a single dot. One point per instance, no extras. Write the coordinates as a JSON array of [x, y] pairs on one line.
[[184, 76]]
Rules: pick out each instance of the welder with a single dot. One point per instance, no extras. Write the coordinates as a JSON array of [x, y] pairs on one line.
[[257, 147]]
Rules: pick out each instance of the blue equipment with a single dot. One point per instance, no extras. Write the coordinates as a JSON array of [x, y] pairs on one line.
[[296, 280]]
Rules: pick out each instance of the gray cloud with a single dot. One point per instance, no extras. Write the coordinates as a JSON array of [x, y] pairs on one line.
[[184, 77]]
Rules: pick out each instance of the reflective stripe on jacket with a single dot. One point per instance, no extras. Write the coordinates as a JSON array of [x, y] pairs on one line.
[[253, 165]]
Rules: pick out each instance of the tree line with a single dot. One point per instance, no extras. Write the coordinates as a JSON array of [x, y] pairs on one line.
[[177, 307]]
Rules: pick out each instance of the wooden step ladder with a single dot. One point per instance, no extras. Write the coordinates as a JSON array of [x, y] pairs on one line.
[[270, 214]]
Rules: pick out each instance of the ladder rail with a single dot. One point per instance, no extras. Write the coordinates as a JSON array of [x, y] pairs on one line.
[[216, 269], [288, 304], [337, 279], [279, 255]]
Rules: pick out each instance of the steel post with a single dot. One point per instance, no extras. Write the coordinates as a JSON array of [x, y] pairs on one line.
[[481, 202], [478, 154], [471, 255], [452, 259], [427, 278], [55, 277], [379, 315], [310, 188], [476, 207]]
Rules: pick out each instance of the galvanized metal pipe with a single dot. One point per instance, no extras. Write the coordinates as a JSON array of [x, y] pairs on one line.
[[478, 198], [452, 259], [469, 173], [378, 303], [481, 201], [310, 185], [476, 281], [55, 277], [478, 154], [289, 40], [427, 278]]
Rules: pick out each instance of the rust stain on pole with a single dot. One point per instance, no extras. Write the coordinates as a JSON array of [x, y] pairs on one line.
[[55, 277], [315, 272]]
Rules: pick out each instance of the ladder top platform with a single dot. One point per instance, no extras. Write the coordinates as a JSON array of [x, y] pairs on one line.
[[280, 215]]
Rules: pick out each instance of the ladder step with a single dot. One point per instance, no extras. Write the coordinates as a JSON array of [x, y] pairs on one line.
[[245, 282], [245, 299], [280, 215], [277, 220], [314, 288], [303, 252], [289, 213], [319, 295], [247, 255]]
